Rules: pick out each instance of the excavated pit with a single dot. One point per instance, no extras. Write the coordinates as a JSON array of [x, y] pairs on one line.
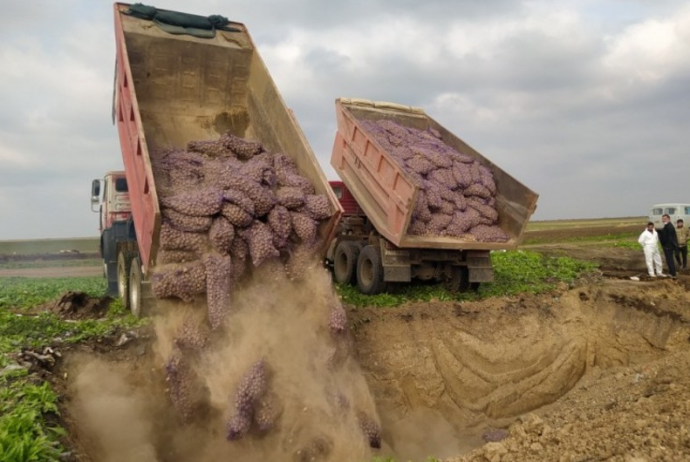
[[446, 374], [443, 374]]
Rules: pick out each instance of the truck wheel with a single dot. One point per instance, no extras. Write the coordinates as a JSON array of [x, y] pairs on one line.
[[124, 262], [345, 262], [460, 281], [455, 280], [135, 278], [370, 271]]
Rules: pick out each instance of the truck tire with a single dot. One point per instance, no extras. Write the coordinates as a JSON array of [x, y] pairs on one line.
[[135, 279], [460, 281], [370, 271], [124, 261], [345, 262]]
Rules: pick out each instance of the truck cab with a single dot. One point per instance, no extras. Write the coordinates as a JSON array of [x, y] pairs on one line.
[[114, 204], [110, 199]]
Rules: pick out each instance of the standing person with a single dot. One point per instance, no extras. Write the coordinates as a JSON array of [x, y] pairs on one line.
[[669, 242], [682, 236], [649, 239]]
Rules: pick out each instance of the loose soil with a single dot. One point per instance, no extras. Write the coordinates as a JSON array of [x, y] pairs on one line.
[[478, 366], [595, 370], [78, 305]]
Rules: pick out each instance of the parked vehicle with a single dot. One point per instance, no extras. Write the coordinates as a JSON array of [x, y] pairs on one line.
[[675, 210], [372, 246]]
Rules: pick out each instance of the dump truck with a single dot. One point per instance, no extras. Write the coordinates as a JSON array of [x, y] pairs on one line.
[[177, 82], [373, 246]]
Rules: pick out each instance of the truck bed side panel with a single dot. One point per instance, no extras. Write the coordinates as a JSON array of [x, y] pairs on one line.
[[144, 201], [387, 195]]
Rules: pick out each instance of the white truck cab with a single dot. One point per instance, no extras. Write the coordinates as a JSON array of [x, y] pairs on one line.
[[675, 210], [110, 198]]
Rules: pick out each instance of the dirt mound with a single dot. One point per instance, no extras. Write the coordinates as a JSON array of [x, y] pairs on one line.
[[79, 305], [479, 365], [627, 414]]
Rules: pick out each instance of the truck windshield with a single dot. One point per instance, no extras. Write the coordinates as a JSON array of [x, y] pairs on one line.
[[121, 185]]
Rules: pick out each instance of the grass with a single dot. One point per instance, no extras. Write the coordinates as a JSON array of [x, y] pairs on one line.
[[631, 244], [530, 272], [28, 406], [21, 293], [25, 432], [515, 272], [35, 331]]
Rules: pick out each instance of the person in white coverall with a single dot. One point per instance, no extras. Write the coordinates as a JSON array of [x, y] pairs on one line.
[[649, 239]]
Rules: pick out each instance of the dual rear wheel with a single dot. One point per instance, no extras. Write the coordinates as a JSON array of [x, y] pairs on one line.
[[459, 280], [354, 262], [129, 279]]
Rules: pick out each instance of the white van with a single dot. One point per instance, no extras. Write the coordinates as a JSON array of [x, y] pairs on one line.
[[675, 211]]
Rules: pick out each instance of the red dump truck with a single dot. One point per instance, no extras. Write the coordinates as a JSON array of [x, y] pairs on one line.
[[171, 88], [373, 246]]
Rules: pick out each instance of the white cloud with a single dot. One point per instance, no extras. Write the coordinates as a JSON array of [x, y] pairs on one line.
[[569, 97], [10, 157], [650, 51]]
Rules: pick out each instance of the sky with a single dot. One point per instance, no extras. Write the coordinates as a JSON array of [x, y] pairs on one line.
[[585, 102]]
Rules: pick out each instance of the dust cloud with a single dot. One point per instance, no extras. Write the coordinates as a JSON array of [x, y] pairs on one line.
[[111, 412], [424, 432], [126, 412]]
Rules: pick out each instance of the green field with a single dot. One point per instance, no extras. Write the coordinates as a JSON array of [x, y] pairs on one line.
[[41, 246], [586, 223], [90, 244]]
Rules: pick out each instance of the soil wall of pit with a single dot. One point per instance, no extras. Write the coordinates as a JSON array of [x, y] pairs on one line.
[[458, 369]]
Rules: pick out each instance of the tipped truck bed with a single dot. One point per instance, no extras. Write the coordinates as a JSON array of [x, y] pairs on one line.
[[387, 195], [172, 89]]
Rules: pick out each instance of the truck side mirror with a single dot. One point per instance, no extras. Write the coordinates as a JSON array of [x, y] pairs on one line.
[[95, 193]]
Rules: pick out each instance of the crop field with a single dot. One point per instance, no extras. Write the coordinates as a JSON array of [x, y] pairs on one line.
[[577, 225], [569, 231]]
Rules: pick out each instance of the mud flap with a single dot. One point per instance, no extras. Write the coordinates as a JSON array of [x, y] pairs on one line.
[[479, 266], [396, 265]]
